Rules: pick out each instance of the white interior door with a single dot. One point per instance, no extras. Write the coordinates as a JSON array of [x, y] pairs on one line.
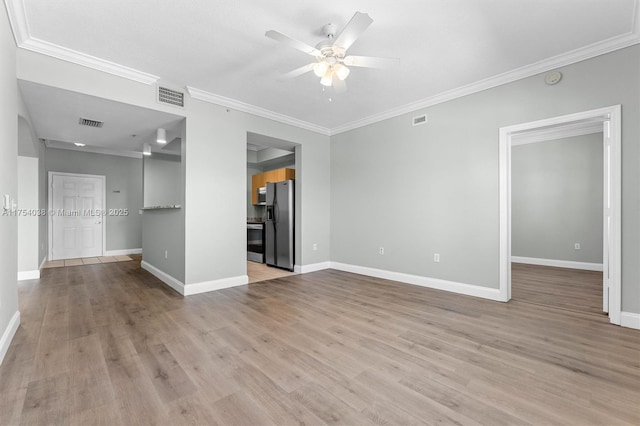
[[76, 204]]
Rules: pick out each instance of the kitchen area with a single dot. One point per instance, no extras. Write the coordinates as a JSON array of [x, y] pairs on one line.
[[271, 192]]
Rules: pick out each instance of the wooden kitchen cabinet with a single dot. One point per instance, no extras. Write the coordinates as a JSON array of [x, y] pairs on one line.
[[259, 180]]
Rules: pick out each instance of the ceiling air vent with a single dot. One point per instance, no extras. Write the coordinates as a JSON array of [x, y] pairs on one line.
[[420, 119], [90, 123], [170, 96]]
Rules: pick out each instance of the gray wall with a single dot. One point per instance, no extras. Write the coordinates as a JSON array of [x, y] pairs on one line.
[[434, 187], [8, 176], [163, 237], [556, 199], [31, 229], [122, 174], [163, 181], [28, 180], [215, 237]]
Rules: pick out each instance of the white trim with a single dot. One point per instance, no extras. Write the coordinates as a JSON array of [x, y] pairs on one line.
[[50, 207], [454, 287], [21, 31], [568, 58], [44, 259], [28, 275], [172, 282], [195, 288], [612, 243], [630, 319], [206, 286], [255, 110], [558, 263], [7, 335], [93, 62], [123, 252], [22, 35], [18, 20], [579, 129], [312, 267]]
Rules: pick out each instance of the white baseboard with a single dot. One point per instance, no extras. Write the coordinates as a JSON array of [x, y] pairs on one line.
[[312, 267], [8, 334], [195, 288], [558, 263], [28, 275], [452, 286], [172, 282], [44, 259], [206, 286], [630, 319], [122, 252]]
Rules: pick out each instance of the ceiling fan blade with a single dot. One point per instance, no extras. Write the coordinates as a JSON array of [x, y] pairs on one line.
[[350, 33], [340, 86], [296, 44], [299, 71], [370, 61]]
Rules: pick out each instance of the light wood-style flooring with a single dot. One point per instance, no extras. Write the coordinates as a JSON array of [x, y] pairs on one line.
[[110, 344], [561, 288], [261, 272]]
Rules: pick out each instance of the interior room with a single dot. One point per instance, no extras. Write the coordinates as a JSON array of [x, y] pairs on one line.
[[320, 213]]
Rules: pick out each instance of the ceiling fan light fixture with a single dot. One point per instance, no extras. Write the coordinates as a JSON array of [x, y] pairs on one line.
[[161, 136], [327, 78], [320, 68], [341, 71]]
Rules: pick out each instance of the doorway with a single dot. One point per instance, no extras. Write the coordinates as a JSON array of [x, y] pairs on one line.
[[76, 215], [279, 159], [608, 121]]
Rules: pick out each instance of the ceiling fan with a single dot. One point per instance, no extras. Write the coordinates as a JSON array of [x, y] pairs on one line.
[[332, 64]]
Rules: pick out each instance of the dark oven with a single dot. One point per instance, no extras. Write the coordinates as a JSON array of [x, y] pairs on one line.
[[255, 242]]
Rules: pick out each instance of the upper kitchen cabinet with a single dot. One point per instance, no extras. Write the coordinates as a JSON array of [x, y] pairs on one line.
[[260, 180]]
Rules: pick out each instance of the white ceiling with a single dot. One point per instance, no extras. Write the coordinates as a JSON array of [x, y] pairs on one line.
[[219, 47], [56, 113]]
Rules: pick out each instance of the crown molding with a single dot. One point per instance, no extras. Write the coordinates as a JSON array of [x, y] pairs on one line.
[[255, 110], [18, 20], [20, 26], [572, 57], [22, 35]]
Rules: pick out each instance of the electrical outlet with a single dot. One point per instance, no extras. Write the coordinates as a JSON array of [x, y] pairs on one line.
[[436, 257], [576, 246], [315, 247], [381, 250]]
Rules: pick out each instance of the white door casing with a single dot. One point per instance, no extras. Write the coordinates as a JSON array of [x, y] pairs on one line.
[[609, 120], [76, 215]]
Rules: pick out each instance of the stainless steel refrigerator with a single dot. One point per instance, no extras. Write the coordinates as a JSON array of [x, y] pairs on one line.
[[279, 230]]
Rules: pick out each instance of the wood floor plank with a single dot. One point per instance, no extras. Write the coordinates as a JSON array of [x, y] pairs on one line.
[[110, 344]]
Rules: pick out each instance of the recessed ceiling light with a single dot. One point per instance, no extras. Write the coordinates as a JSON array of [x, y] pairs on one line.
[[79, 144]]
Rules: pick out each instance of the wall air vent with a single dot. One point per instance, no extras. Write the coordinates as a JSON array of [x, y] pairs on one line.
[[170, 96], [90, 123], [420, 119]]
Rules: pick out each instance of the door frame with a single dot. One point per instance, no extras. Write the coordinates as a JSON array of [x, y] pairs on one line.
[[610, 121], [103, 180]]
